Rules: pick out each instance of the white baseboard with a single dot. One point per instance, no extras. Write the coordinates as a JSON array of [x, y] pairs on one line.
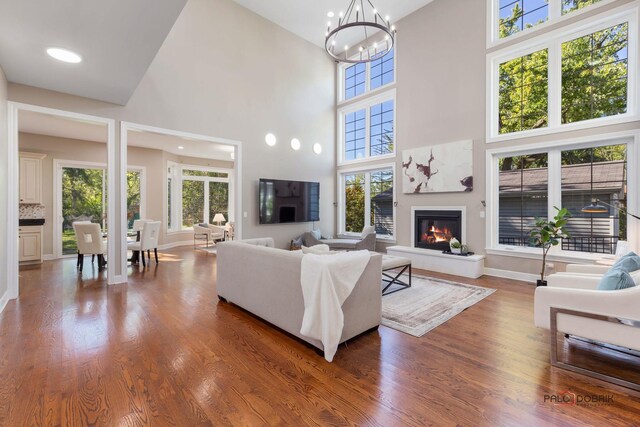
[[507, 274], [117, 280], [4, 300], [48, 257]]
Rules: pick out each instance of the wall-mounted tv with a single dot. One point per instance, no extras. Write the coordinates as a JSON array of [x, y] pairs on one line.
[[283, 201]]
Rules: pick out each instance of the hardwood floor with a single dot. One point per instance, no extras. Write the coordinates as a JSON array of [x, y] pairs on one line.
[[162, 350]]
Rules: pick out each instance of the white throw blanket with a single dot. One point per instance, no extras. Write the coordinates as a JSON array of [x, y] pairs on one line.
[[327, 281]]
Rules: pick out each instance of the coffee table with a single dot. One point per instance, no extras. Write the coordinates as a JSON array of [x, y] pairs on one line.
[[392, 268]]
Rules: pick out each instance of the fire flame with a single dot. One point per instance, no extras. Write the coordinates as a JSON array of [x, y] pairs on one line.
[[436, 235]]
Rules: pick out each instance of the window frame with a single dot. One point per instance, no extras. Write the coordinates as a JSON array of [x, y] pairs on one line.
[[367, 80], [555, 17], [177, 178], [366, 104], [553, 41], [366, 170], [554, 150]]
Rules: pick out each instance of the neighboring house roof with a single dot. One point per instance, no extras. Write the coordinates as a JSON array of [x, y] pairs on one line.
[[386, 195], [608, 177]]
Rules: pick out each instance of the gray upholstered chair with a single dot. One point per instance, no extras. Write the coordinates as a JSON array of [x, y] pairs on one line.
[[367, 241]]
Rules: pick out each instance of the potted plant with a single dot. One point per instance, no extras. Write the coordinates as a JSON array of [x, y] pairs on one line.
[[455, 245], [548, 233]]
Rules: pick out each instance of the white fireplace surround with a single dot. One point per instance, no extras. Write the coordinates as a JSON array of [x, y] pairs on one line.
[[463, 222], [471, 266]]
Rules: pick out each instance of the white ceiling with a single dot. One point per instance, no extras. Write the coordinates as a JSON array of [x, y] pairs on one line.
[[117, 39], [62, 127], [308, 18]]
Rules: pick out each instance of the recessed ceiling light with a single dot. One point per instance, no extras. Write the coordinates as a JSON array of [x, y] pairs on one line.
[[317, 148], [180, 147], [270, 139], [64, 55], [330, 15], [295, 144]]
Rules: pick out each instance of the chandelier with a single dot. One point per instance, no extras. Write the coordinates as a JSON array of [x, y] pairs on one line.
[[363, 25]]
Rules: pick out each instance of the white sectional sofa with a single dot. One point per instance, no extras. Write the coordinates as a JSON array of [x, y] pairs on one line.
[[265, 281]]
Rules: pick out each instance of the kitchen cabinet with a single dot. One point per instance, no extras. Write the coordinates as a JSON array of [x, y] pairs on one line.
[[31, 178], [30, 244]]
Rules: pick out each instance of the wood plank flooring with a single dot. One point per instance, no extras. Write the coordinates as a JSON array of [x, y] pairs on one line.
[[162, 350]]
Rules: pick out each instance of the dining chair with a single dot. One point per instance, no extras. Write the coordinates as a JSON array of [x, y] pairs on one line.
[[148, 241], [90, 242]]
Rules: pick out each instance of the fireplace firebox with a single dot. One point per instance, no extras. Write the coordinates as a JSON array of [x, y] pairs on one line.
[[435, 228]]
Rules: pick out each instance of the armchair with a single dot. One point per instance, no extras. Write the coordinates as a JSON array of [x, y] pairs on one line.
[[610, 317], [367, 241], [208, 232]]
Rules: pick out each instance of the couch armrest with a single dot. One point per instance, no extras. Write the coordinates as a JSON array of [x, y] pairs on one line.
[[574, 280], [621, 304], [197, 229], [368, 243], [587, 268]]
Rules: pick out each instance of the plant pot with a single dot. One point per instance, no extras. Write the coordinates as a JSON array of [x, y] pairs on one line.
[[456, 250], [541, 282]]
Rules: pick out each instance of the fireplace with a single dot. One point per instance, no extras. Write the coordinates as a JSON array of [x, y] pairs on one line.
[[435, 228]]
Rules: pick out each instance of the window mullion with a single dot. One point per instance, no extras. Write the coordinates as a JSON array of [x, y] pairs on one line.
[[367, 131], [555, 9], [554, 181], [205, 213], [367, 199], [554, 84]]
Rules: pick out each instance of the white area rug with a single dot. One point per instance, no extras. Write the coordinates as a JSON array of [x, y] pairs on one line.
[[428, 303]]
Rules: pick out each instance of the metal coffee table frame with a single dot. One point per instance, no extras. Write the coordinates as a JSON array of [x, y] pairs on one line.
[[395, 280]]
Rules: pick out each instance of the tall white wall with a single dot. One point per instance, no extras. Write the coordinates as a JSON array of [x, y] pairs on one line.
[[224, 71]]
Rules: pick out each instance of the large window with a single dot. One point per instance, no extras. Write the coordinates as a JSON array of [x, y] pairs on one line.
[[518, 15], [594, 75], [577, 77], [368, 128], [195, 195], [360, 79], [523, 196], [595, 174], [531, 185], [354, 80], [511, 17], [366, 136], [523, 94], [368, 200], [355, 135]]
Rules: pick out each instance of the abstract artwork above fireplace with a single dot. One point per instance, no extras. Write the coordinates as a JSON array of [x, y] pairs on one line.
[[438, 168]]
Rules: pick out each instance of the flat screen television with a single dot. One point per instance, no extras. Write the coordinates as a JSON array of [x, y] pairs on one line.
[[283, 201]]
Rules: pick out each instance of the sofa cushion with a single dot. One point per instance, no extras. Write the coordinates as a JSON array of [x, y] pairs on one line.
[[628, 262], [316, 249], [616, 279], [317, 234], [341, 243], [368, 230]]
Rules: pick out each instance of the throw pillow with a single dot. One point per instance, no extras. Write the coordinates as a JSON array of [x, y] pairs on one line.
[[317, 234], [317, 250], [615, 279], [203, 224], [297, 241], [368, 230], [629, 262]]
